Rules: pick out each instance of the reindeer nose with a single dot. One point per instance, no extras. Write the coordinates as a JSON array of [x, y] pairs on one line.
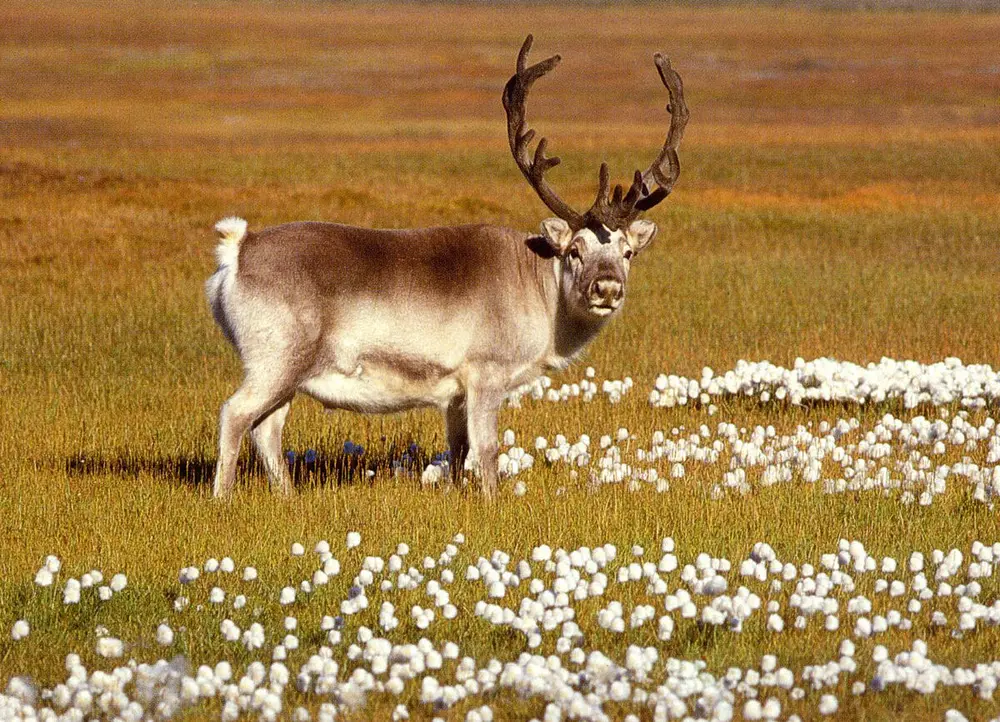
[[608, 290]]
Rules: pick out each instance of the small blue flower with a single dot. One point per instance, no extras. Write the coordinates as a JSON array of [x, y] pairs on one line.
[[310, 456]]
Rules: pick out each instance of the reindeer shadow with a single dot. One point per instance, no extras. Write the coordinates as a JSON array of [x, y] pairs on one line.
[[322, 467]]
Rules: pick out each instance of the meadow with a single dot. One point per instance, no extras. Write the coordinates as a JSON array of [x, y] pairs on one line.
[[839, 197]]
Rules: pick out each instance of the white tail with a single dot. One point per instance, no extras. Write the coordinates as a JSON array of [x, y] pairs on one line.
[[231, 232]]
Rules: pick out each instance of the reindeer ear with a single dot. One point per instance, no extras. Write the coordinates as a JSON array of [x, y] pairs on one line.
[[556, 237], [541, 246], [639, 234]]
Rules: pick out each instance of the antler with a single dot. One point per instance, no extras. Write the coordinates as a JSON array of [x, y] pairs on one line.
[[667, 167], [515, 94], [612, 209], [622, 208]]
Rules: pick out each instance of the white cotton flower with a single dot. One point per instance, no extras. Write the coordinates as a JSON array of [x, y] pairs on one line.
[[230, 631], [249, 574], [20, 630], [164, 635], [753, 710], [109, 647], [287, 595], [828, 705], [353, 539], [297, 549], [118, 582], [187, 575], [431, 475]]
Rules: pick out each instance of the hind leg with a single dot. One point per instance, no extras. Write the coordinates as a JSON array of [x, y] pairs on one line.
[[457, 428], [251, 402], [266, 436]]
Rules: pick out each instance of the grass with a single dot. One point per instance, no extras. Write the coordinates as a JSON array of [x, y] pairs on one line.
[[840, 196]]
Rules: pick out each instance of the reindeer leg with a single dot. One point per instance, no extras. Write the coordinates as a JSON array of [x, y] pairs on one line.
[[266, 435], [251, 402], [457, 427], [483, 412]]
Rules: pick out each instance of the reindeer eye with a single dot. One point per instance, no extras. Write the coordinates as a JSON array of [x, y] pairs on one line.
[[628, 253]]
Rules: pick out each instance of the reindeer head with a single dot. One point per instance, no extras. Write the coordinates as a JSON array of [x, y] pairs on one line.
[[595, 248]]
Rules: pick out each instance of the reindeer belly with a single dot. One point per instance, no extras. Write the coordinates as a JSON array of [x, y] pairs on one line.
[[381, 360], [375, 389]]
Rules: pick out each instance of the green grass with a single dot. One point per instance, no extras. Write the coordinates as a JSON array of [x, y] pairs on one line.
[[811, 219]]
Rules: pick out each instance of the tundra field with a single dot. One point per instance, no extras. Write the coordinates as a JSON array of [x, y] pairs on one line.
[[799, 538]]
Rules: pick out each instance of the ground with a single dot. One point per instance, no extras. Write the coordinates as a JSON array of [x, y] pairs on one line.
[[839, 197]]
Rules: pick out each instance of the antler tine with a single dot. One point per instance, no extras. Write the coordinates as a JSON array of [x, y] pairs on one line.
[[515, 95], [604, 183], [621, 209], [665, 170], [634, 192], [522, 54], [602, 210]]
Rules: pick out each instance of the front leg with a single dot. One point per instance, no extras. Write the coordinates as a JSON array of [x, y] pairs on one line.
[[483, 409]]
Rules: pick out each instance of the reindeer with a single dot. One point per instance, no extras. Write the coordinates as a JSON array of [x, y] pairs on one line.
[[379, 321]]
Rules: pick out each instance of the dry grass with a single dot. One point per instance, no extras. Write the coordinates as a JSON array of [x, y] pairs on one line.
[[839, 196]]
